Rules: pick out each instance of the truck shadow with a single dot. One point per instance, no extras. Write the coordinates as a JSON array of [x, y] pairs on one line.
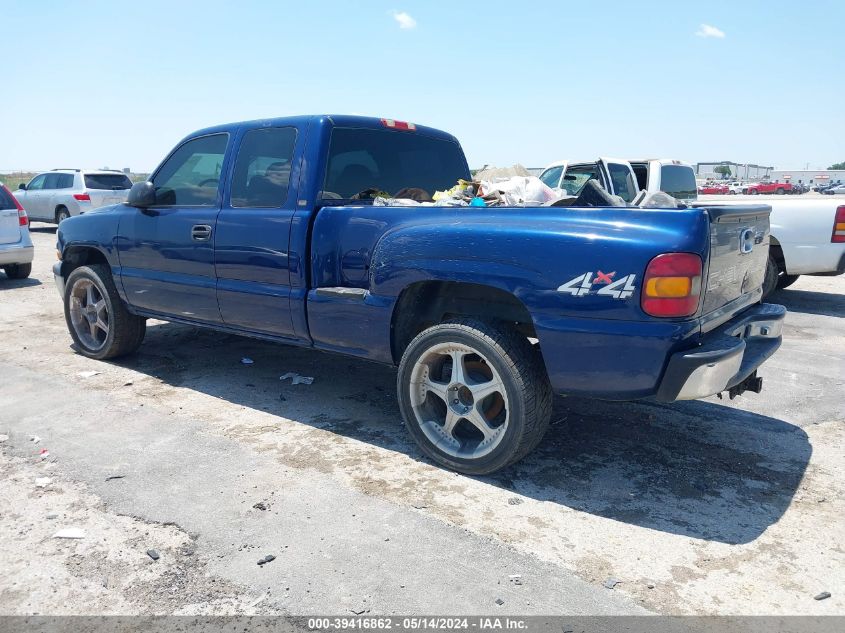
[[698, 469], [11, 284], [810, 302]]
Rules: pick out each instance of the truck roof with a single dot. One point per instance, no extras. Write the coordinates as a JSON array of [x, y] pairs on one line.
[[333, 120]]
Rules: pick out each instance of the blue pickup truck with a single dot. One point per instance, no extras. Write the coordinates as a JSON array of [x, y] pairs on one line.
[[268, 229]]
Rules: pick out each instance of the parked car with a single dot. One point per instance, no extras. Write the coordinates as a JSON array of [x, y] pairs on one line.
[[736, 187], [16, 251], [838, 189], [263, 228], [779, 188], [56, 195], [713, 189]]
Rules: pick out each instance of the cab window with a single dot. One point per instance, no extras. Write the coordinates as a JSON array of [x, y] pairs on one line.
[[191, 176], [623, 183], [551, 177], [262, 168]]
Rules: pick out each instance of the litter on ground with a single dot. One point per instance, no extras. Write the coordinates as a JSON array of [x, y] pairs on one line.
[[296, 379], [70, 533]]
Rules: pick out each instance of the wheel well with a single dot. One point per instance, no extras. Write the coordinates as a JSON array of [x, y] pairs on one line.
[[56, 211], [776, 253], [428, 303], [76, 256]]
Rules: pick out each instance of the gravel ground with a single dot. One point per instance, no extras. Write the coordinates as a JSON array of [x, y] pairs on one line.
[[716, 506]]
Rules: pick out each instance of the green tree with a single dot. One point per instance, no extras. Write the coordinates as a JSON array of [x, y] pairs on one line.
[[725, 170], [837, 166]]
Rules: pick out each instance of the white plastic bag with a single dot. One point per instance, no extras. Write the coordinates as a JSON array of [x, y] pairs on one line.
[[521, 191]]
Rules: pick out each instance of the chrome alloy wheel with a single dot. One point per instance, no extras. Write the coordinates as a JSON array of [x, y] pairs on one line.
[[459, 400], [89, 314]]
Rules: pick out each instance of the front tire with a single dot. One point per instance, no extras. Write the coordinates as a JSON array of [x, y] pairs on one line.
[[474, 396], [98, 321], [18, 271]]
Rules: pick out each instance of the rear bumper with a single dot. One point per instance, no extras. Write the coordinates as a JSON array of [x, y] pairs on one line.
[[726, 356], [16, 254]]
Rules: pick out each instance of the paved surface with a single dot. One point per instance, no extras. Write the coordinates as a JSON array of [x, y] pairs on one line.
[[702, 507]]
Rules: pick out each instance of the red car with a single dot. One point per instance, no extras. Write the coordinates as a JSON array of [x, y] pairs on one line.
[[779, 188], [713, 189]]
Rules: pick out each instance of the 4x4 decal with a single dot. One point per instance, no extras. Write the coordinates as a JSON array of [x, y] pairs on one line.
[[582, 285]]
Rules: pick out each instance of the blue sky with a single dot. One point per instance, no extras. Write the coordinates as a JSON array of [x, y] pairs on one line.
[[119, 83]]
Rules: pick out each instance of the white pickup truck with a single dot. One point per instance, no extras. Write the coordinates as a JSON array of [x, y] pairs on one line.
[[807, 238], [625, 178]]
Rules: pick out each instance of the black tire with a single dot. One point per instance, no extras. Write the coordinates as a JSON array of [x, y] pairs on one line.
[[126, 331], [525, 382], [770, 281], [754, 192], [785, 281], [18, 271], [62, 214], [780, 191]]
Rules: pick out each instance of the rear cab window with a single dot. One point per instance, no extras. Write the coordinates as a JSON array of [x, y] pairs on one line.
[[107, 181], [365, 162], [678, 181]]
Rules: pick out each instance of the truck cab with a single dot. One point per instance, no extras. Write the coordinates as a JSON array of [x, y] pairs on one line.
[[625, 178]]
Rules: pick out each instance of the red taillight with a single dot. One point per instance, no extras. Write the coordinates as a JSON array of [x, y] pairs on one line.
[[82, 197], [398, 125], [23, 220], [672, 285], [839, 225]]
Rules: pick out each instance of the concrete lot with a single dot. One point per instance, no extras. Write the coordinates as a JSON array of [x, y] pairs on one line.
[[717, 506]]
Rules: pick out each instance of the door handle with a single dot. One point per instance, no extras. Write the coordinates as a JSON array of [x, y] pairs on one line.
[[201, 232]]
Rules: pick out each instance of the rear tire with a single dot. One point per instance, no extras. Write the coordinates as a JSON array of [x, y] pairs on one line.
[[62, 214], [97, 319], [487, 415], [780, 191], [18, 271], [785, 281], [770, 281]]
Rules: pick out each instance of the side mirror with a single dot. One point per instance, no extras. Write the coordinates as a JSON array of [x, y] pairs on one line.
[[142, 195], [22, 187]]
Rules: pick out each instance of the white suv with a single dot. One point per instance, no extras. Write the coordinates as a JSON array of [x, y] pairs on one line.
[[61, 193]]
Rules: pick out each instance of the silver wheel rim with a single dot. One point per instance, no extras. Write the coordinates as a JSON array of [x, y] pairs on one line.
[[63, 215], [89, 314], [459, 400]]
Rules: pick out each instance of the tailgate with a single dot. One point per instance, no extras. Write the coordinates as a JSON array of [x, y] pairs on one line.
[[739, 251], [10, 227]]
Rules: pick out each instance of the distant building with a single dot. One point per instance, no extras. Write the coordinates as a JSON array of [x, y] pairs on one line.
[[739, 171], [127, 171], [809, 176]]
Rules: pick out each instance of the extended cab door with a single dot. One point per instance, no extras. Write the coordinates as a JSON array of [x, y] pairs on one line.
[[167, 250], [253, 231], [620, 178]]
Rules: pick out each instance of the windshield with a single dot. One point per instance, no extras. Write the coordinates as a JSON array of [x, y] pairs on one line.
[[365, 162]]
